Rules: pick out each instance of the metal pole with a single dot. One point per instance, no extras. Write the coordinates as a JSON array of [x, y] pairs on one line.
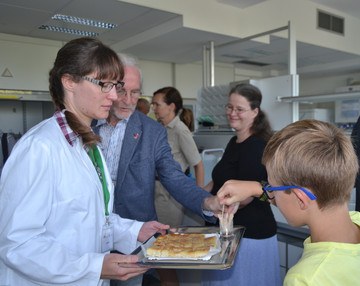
[[292, 49], [173, 74], [292, 71], [205, 67], [212, 63]]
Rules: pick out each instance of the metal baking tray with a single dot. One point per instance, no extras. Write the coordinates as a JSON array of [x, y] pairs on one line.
[[224, 259]]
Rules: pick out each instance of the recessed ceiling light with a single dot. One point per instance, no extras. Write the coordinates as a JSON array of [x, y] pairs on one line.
[[68, 31], [83, 21], [253, 63]]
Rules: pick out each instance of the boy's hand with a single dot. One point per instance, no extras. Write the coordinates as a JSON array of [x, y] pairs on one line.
[[237, 191], [213, 204]]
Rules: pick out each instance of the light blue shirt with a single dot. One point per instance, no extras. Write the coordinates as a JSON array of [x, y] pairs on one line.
[[112, 138]]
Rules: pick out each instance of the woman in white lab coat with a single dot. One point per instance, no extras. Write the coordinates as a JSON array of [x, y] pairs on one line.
[[56, 195]]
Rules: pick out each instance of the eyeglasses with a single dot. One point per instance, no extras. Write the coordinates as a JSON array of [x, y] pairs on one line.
[[269, 191], [106, 86], [134, 93], [230, 109]]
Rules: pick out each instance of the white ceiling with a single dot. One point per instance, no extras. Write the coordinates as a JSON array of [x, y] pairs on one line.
[[350, 7], [157, 35]]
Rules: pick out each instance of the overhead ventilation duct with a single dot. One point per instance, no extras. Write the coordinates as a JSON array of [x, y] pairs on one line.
[[330, 22]]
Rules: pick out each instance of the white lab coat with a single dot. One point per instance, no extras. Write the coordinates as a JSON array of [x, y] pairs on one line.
[[52, 213]]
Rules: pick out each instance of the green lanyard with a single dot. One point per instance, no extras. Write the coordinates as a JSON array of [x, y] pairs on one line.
[[99, 167]]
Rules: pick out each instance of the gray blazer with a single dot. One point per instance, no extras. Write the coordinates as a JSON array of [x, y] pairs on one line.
[[145, 152]]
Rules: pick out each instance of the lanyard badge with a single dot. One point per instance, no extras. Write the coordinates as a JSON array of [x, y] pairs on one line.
[[107, 235]]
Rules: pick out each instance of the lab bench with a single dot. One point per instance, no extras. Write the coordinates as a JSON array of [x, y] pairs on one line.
[[290, 243]]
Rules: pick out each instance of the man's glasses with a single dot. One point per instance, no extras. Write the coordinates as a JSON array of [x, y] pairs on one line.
[[134, 93], [238, 111], [269, 191], [106, 86]]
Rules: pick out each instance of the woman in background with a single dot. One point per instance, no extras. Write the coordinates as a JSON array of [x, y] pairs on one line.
[[168, 108], [257, 261], [355, 138]]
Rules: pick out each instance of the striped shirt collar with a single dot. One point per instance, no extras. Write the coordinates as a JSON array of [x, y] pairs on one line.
[[70, 135], [105, 122]]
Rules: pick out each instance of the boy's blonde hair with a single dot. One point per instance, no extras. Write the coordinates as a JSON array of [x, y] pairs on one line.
[[315, 155]]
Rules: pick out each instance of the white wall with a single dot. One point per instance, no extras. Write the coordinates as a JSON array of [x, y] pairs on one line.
[[28, 60], [188, 77], [185, 77], [326, 84], [155, 76]]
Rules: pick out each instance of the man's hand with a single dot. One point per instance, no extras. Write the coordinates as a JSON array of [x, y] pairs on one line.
[[150, 228], [121, 267]]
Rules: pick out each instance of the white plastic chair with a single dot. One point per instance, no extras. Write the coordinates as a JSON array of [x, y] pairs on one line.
[[210, 158]]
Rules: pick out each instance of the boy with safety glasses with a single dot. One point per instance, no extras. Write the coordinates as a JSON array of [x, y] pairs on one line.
[[311, 167]]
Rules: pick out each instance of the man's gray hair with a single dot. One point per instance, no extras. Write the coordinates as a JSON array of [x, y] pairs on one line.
[[131, 61]]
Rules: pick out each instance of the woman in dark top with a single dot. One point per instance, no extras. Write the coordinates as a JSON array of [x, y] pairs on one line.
[[257, 262], [355, 137]]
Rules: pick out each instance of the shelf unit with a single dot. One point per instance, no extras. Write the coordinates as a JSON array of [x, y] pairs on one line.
[[333, 98], [320, 97], [24, 95]]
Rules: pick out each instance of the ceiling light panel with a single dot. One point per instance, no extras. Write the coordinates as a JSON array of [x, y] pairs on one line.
[[83, 21], [68, 31]]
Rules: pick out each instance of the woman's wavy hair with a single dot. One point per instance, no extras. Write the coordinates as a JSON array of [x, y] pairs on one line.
[[261, 126], [78, 58]]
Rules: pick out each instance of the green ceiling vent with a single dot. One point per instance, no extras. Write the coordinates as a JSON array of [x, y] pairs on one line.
[[330, 22]]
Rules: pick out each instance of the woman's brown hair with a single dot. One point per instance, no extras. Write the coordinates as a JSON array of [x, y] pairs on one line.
[[78, 58], [172, 95], [261, 125]]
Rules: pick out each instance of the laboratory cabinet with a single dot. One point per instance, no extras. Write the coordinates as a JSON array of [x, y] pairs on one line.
[[18, 116], [22, 109], [290, 244], [290, 251]]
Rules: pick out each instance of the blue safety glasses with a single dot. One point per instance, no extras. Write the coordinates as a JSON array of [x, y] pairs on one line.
[[268, 191]]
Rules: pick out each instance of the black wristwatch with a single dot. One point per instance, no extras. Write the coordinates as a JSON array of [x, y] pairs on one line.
[[264, 197]]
